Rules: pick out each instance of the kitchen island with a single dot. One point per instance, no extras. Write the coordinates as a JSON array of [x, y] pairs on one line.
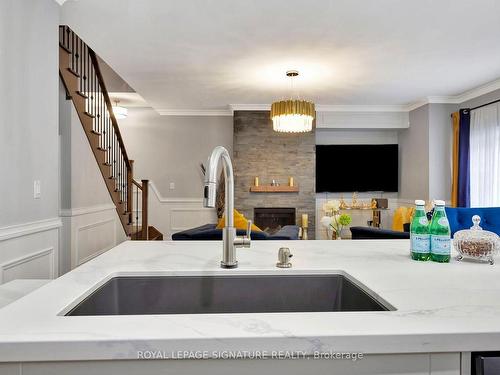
[[440, 313]]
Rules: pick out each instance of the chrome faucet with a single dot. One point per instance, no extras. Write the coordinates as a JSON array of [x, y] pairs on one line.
[[229, 238]]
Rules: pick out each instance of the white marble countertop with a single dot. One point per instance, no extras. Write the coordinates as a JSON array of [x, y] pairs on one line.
[[440, 307]]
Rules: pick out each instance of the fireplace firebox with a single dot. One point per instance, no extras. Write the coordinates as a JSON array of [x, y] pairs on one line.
[[273, 218]]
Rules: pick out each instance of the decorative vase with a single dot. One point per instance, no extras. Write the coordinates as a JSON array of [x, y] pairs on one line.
[[335, 235]]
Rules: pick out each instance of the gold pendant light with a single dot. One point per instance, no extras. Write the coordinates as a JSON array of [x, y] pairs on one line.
[[293, 115]]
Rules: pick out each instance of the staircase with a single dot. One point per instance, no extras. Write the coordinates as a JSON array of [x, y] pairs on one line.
[[85, 87]]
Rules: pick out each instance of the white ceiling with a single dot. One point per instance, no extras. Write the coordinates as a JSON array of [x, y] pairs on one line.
[[205, 55]]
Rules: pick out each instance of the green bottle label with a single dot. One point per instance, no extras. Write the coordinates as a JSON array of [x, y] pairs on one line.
[[440, 244], [420, 243]]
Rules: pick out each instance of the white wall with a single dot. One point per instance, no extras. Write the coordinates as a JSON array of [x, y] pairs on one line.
[[90, 222], [29, 138], [169, 149]]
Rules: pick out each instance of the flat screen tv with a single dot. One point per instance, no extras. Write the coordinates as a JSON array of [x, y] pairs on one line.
[[349, 168]]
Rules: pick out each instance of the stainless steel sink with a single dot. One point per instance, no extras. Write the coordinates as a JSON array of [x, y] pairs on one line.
[[141, 295]]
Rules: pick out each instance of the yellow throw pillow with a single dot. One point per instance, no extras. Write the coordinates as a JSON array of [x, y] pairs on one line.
[[240, 222], [402, 215]]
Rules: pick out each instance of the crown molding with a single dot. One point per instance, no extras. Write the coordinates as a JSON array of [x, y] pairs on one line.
[[250, 107], [360, 108], [195, 112], [450, 99], [480, 90], [458, 99], [326, 108]]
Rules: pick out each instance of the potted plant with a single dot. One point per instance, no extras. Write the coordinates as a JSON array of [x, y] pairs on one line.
[[334, 220]]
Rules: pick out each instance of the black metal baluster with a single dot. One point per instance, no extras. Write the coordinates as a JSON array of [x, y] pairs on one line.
[[67, 38], [73, 51], [136, 210], [77, 55], [82, 74]]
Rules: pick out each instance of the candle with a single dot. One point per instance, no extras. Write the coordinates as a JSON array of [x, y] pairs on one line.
[[256, 181], [304, 221], [290, 181]]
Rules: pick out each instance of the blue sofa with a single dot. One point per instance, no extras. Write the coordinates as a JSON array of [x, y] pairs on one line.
[[208, 232], [459, 218]]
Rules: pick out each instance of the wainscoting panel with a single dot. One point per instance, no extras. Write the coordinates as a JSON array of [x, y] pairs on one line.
[[37, 265], [30, 250], [171, 215], [88, 232], [185, 218], [94, 239]]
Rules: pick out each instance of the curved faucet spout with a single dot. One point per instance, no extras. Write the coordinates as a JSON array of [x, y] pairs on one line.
[[230, 240], [220, 153]]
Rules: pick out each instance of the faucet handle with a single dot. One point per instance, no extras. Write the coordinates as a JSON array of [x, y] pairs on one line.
[[249, 229], [244, 241]]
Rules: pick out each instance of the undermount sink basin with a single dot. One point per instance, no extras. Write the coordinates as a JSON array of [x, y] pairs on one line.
[[142, 295]]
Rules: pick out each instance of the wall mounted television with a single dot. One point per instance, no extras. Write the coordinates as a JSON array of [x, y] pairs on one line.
[[349, 168]]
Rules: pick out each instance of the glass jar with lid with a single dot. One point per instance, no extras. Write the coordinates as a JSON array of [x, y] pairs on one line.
[[476, 243]]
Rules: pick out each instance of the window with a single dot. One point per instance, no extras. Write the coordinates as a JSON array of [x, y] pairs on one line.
[[485, 156]]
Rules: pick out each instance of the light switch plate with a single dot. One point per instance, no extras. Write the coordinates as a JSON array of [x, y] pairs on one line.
[[37, 190], [172, 185]]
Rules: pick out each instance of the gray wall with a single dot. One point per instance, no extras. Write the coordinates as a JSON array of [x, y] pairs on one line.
[[90, 222], [425, 153], [260, 151], [440, 147], [29, 110], [414, 156], [82, 184], [169, 148]]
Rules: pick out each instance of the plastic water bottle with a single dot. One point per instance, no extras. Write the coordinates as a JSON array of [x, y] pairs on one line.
[[440, 234], [419, 233]]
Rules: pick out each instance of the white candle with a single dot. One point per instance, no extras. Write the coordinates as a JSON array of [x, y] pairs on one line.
[[305, 220]]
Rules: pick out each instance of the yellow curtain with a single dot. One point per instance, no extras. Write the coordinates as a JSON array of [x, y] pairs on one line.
[[454, 182]]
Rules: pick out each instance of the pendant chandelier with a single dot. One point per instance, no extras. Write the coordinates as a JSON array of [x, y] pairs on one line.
[[292, 115], [119, 112]]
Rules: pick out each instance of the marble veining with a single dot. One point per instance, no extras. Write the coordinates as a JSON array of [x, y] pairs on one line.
[[440, 307]]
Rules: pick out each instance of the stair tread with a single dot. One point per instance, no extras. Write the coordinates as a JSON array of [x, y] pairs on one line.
[[64, 48], [73, 72], [83, 95], [82, 99]]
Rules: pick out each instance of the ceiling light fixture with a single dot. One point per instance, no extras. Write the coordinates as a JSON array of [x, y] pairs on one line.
[[119, 112], [293, 115]]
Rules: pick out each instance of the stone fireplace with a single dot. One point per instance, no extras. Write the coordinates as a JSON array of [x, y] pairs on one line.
[[268, 218], [260, 151]]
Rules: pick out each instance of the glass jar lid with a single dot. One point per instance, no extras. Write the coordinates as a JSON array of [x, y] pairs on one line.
[[476, 232]]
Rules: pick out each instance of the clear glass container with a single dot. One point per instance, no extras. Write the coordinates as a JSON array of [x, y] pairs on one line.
[[476, 243]]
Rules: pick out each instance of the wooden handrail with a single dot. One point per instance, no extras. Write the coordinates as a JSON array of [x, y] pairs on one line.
[[84, 83], [139, 186], [109, 106]]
